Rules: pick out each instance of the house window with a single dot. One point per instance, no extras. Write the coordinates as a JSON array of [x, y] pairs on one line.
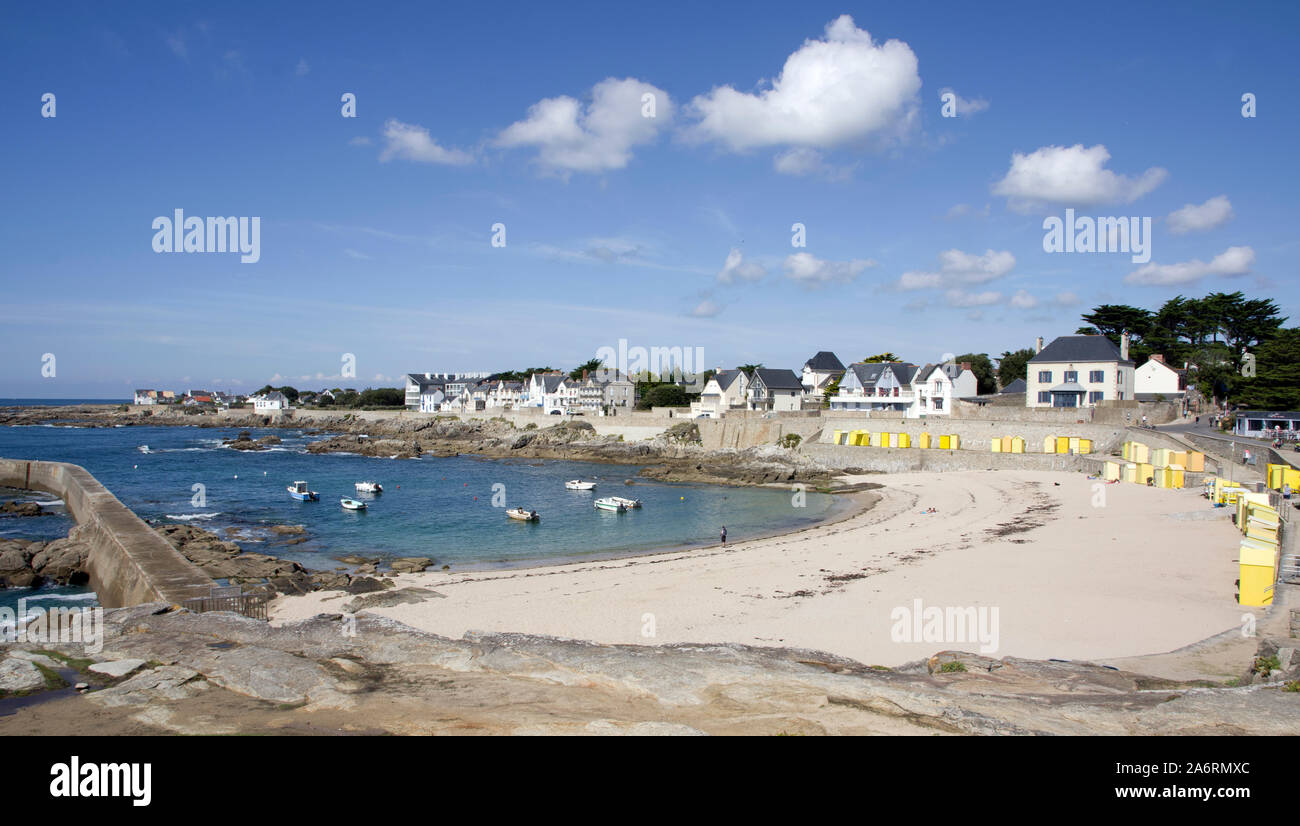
[[1097, 376], [1072, 375], [1095, 396], [938, 404], [1045, 396], [1044, 377]]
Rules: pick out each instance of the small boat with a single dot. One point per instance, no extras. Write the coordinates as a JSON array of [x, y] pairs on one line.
[[143, 448], [611, 505], [577, 484], [369, 487], [627, 503], [522, 514], [352, 504], [298, 490]]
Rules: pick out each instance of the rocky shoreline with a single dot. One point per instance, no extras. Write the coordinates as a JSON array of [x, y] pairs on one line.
[[676, 455]]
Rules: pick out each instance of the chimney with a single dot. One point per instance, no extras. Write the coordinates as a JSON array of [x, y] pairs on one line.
[[1123, 346], [584, 375], [427, 376], [1158, 357], [965, 365], [1038, 345]]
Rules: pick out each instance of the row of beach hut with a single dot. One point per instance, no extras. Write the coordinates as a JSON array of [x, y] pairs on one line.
[[1258, 557], [1277, 475], [864, 438]]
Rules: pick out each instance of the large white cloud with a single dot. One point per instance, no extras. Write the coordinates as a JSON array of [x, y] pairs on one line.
[[1071, 176], [597, 137], [957, 268], [736, 268], [810, 271], [413, 143], [830, 92], [1200, 217], [1231, 262]]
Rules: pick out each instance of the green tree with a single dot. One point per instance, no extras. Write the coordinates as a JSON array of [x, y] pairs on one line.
[[1014, 364], [588, 366], [381, 397], [831, 388], [1112, 319], [881, 358], [663, 395], [749, 368], [1276, 384], [982, 367]]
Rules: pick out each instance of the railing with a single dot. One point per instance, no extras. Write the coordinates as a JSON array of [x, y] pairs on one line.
[[229, 598]]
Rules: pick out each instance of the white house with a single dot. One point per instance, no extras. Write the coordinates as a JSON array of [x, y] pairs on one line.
[[1079, 371], [871, 387], [1156, 378], [935, 386], [727, 390], [146, 397], [778, 390], [270, 402], [820, 370]]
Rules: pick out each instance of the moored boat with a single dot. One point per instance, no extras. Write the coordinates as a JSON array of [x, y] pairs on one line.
[[627, 503], [578, 484], [352, 504], [610, 505], [298, 490], [369, 487], [523, 514]]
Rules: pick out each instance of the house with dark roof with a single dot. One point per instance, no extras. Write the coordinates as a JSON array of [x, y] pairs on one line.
[[1080, 371], [270, 402], [1017, 386], [936, 386], [773, 389], [727, 390], [876, 386], [819, 371]]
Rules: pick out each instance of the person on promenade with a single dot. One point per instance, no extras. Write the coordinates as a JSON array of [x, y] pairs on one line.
[[1286, 491], [724, 534]]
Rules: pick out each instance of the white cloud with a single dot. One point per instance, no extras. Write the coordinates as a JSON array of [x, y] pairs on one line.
[[957, 268], [412, 143], [706, 309], [1199, 218], [302, 68], [830, 92], [812, 272], [1070, 175], [957, 297], [1231, 262], [736, 268], [1022, 300], [598, 137], [965, 108]]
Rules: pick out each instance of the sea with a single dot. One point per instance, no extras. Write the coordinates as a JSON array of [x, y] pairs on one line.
[[450, 509]]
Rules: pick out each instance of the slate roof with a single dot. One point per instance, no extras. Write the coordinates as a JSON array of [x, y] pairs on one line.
[[775, 379], [1079, 348], [1017, 386], [823, 361], [726, 378]]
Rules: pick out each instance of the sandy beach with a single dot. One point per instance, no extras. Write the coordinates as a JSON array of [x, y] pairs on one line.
[[1145, 573]]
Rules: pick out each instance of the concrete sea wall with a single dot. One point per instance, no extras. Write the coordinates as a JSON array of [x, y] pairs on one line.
[[129, 563]]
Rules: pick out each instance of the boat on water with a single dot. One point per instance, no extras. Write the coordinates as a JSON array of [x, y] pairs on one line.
[[143, 448], [627, 503], [298, 490], [352, 504], [578, 484], [611, 504], [523, 514], [369, 487]]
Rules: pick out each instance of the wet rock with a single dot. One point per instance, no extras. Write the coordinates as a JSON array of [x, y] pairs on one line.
[[62, 561], [329, 580], [288, 529], [353, 559], [20, 675], [22, 509], [410, 564]]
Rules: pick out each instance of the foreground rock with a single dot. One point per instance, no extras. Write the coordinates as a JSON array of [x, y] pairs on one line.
[[30, 564], [374, 674], [22, 509]]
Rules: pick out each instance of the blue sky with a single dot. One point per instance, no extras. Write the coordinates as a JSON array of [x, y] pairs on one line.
[[924, 233]]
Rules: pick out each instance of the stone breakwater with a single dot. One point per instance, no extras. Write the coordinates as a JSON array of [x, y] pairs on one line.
[[169, 670]]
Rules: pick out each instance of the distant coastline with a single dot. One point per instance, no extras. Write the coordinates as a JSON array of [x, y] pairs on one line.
[[20, 402]]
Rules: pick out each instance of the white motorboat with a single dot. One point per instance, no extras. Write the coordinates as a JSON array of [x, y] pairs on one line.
[[523, 514], [369, 487], [577, 484], [627, 503], [610, 505], [352, 504]]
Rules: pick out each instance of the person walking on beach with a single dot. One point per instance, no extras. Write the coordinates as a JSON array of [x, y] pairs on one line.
[[1286, 491], [724, 534]]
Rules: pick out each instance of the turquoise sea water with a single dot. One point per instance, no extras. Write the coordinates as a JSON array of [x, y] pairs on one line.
[[437, 507]]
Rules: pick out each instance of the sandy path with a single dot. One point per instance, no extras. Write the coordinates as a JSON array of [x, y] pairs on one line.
[[1069, 580]]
